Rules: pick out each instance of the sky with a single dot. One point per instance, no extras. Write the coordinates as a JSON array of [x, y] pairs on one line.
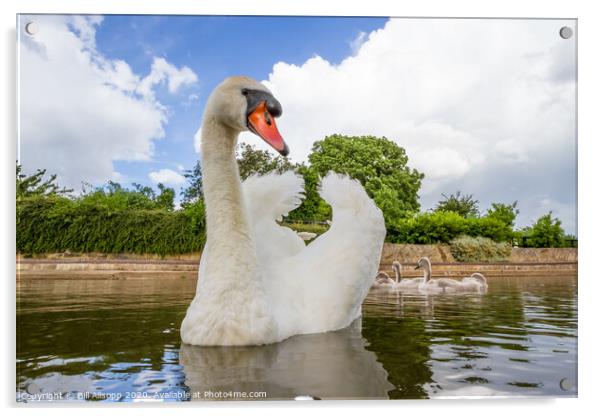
[[486, 107]]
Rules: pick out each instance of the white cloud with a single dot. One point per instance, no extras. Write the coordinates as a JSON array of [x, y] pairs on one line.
[[357, 43], [167, 177], [484, 106], [79, 111], [161, 72]]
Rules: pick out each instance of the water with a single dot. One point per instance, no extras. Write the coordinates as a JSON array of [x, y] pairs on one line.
[[119, 340]]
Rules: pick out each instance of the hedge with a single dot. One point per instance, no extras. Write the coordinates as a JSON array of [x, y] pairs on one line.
[[444, 226], [55, 224]]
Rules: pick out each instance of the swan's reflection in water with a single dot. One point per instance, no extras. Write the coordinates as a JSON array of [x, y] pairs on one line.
[[395, 303], [333, 365]]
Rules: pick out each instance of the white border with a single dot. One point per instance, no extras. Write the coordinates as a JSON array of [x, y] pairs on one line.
[[590, 201]]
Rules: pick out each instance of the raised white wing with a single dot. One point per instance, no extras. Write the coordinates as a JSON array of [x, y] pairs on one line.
[[319, 287], [324, 284], [268, 198]]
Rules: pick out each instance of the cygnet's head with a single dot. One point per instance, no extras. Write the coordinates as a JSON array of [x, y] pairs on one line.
[[382, 275], [244, 104], [423, 263], [479, 276]]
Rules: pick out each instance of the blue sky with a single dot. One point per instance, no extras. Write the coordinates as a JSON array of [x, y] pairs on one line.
[[486, 107], [215, 47]]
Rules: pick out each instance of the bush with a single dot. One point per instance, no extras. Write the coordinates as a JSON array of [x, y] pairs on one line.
[[444, 226], [479, 249]]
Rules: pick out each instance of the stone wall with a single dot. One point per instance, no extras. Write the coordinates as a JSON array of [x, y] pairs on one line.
[[543, 255], [522, 262], [410, 253]]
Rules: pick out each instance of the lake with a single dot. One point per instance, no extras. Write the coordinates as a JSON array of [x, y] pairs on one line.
[[118, 340]]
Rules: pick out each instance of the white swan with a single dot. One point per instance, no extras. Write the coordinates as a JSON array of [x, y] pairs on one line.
[[382, 280], [476, 282], [407, 283], [258, 283]]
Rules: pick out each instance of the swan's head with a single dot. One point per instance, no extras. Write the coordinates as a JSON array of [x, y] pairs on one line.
[[423, 263], [382, 275], [246, 105]]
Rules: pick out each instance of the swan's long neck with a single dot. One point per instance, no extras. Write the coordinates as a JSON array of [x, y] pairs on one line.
[[221, 181], [396, 269], [427, 272], [228, 228]]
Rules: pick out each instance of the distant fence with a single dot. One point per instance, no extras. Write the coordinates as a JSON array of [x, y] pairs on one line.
[[524, 241], [289, 221]]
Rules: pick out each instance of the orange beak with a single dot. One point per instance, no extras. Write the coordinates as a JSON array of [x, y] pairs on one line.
[[263, 124]]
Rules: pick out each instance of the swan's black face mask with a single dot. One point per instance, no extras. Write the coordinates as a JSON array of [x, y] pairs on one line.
[[262, 110]]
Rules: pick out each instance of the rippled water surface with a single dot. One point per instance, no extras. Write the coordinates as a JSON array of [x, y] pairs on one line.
[[119, 340]]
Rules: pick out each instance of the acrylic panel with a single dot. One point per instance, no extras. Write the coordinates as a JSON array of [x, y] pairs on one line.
[[439, 261]]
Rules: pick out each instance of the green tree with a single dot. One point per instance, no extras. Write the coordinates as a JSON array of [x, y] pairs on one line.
[[504, 212], [194, 191], [547, 231], [251, 160], [379, 164], [313, 207], [147, 191], [34, 185], [165, 199], [464, 205], [115, 197]]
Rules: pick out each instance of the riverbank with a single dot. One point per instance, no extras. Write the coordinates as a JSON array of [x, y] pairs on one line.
[[522, 262]]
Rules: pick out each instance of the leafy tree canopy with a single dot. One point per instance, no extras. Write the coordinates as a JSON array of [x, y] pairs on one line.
[[464, 205], [547, 231], [35, 185], [165, 199], [115, 197], [194, 191], [504, 212], [251, 160], [379, 164]]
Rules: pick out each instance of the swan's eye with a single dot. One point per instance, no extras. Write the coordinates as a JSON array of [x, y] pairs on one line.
[[245, 91]]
